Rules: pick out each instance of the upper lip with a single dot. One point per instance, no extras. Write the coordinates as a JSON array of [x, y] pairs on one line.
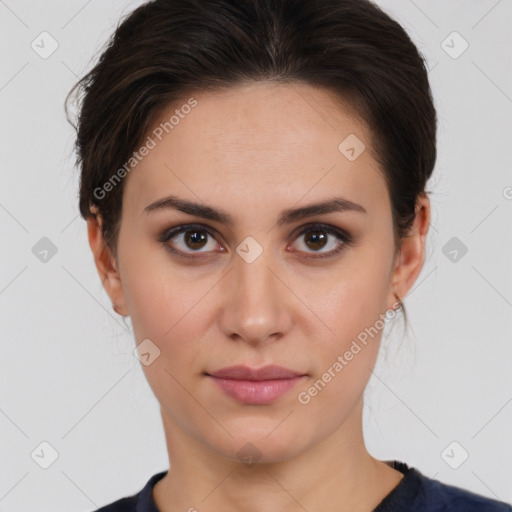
[[240, 372]]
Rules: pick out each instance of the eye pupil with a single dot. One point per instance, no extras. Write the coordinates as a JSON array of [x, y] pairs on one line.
[[317, 236], [195, 237]]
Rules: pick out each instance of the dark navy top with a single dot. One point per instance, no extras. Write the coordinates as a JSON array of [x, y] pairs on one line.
[[414, 493]]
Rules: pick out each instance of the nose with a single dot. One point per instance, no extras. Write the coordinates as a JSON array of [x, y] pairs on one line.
[[256, 308]]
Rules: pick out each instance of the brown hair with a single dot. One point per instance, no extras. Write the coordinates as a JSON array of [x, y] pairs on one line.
[[166, 49]]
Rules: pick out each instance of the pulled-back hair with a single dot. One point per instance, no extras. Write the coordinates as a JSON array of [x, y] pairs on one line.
[[166, 50]]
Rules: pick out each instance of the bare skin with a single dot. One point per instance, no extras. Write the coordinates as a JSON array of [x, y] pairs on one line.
[[254, 151]]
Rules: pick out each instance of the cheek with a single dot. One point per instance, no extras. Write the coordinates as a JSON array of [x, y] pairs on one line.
[[343, 360], [346, 328], [347, 304], [166, 311], [152, 310], [166, 306], [155, 292], [162, 310]]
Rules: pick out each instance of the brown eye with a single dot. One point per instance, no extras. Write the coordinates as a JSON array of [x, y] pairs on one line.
[[195, 239], [189, 239], [186, 240], [315, 240]]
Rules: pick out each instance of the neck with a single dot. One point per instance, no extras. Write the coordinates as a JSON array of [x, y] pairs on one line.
[[337, 473]]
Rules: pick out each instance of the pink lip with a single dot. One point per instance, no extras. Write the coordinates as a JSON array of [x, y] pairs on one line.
[[255, 386]]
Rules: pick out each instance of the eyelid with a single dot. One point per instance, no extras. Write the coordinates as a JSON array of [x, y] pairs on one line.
[[169, 233], [346, 240], [180, 228]]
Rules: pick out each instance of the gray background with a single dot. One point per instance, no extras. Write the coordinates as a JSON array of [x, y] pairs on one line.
[[67, 373]]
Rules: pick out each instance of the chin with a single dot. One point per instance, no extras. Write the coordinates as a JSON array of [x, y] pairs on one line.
[[260, 445]]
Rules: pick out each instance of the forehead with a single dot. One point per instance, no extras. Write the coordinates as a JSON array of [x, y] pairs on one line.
[[259, 141]]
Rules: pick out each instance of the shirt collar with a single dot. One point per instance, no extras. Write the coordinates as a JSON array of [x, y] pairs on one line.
[[146, 503]]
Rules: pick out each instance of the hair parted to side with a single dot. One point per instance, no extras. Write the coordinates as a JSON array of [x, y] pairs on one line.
[[165, 50]]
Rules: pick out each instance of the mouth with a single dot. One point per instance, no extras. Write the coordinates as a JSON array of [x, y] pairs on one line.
[[253, 386]]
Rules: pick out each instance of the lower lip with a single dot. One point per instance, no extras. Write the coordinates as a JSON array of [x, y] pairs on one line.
[[256, 392]]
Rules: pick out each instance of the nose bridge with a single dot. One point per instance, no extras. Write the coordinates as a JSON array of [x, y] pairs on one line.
[[256, 307], [255, 281]]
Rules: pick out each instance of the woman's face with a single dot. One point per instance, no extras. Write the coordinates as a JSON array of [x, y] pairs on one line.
[[264, 288]]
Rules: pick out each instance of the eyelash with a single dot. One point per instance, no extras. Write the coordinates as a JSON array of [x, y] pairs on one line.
[[170, 233]]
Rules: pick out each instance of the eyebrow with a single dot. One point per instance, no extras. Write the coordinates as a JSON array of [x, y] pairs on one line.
[[337, 204]]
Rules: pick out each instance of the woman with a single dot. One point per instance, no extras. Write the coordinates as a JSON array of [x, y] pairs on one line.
[[253, 178]]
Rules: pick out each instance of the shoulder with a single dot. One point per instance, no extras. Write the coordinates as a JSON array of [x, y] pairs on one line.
[[128, 504], [436, 496], [139, 502]]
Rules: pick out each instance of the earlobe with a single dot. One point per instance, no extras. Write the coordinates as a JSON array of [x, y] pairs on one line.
[[105, 262], [412, 254]]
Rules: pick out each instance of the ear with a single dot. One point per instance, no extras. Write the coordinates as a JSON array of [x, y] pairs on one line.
[[409, 261], [105, 262]]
